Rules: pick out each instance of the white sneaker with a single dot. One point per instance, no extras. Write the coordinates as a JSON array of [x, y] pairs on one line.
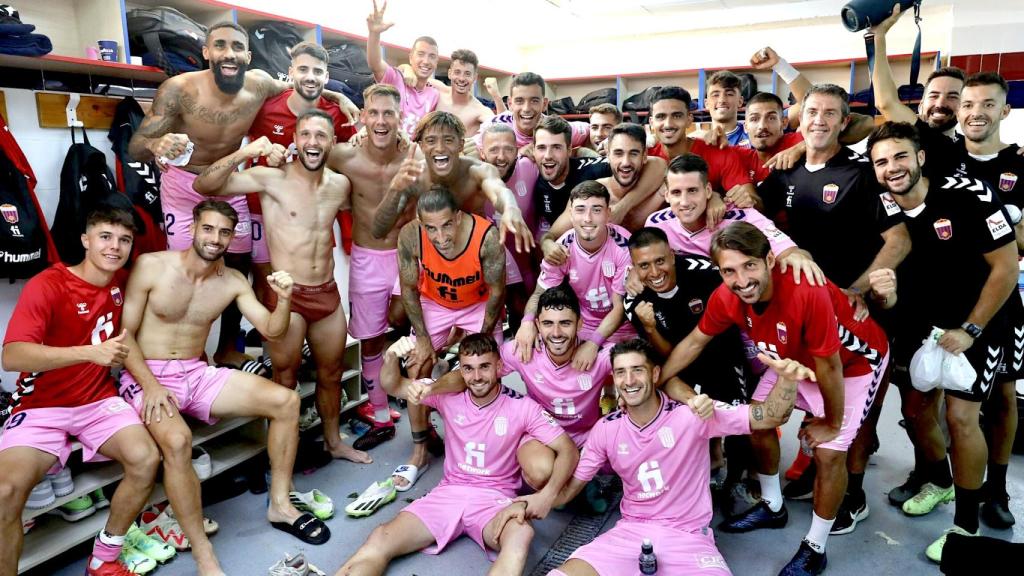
[[62, 482], [201, 463], [42, 495]]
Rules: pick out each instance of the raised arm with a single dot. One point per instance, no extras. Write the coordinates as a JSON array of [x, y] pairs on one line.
[[391, 374], [887, 95], [375, 25], [491, 85], [492, 259], [155, 137], [402, 187], [272, 325], [504, 202], [222, 178]]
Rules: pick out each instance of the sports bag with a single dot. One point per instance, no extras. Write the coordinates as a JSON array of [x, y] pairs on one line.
[[601, 96], [271, 44], [163, 31]]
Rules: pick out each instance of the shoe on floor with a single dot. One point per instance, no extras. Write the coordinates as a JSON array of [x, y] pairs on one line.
[[107, 569], [757, 517], [157, 524], [735, 498], [995, 512], [374, 437], [155, 549], [210, 527], [799, 465], [806, 562], [308, 419], [77, 509], [62, 482], [42, 495], [314, 501], [803, 487], [900, 494], [136, 561], [934, 550], [367, 413], [201, 463], [99, 499], [290, 566], [927, 499], [848, 517], [376, 495]]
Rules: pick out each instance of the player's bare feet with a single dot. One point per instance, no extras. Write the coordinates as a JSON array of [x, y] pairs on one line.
[[346, 452]]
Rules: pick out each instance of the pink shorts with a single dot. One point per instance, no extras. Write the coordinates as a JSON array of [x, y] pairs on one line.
[[193, 382], [372, 275], [440, 321], [177, 198], [48, 429], [450, 511], [859, 394], [615, 552], [260, 251]]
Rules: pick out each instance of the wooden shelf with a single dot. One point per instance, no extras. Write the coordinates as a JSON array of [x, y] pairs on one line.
[[73, 65]]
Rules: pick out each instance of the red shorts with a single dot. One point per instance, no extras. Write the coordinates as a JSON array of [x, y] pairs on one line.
[[314, 303]]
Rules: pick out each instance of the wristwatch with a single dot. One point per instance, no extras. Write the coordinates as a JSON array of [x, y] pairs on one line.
[[973, 329]]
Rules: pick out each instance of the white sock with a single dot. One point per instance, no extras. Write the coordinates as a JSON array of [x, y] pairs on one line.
[[382, 415], [817, 536], [771, 490]]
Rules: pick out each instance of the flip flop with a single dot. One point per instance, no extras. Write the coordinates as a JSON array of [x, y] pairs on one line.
[[304, 528], [374, 497], [410, 473], [314, 501]]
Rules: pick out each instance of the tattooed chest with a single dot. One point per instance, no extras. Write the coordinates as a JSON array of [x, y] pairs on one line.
[[198, 112]]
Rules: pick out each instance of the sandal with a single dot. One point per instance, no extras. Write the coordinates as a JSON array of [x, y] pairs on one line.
[[314, 501], [307, 528], [378, 494], [411, 474]]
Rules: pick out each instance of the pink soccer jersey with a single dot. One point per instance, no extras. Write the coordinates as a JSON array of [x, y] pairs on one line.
[[580, 131], [573, 397], [521, 183], [664, 466], [481, 441], [594, 277], [415, 103], [683, 241]]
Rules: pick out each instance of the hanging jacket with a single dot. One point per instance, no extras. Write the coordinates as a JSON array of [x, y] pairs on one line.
[[25, 243], [139, 180]]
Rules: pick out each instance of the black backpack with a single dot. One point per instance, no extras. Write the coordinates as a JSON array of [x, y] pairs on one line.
[[347, 65], [271, 44], [139, 180], [162, 30], [562, 106], [85, 183], [748, 85], [600, 96], [23, 245], [641, 101]]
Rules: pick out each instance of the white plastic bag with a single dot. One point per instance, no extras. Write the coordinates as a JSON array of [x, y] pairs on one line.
[[932, 366]]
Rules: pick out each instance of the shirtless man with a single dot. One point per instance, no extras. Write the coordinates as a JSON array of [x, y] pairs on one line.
[[459, 99], [373, 269], [300, 202], [196, 119], [172, 300]]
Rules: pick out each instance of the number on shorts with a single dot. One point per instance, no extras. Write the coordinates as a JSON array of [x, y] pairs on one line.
[[168, 223], [16, 420], [257, 231]]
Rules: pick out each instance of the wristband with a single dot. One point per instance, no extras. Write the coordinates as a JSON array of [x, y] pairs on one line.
[[598, 339], [786, 71], [528, 318]]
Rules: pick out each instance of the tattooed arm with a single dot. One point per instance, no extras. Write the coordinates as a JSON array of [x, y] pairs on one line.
[[223, 179], [154, 139], [402, 187], [408, 275], [777, 407], [492, 259]]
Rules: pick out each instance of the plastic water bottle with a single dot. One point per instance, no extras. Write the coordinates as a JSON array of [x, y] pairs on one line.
[[648, 561]]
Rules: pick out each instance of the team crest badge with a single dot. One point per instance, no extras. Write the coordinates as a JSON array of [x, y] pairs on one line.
[[781, 332], [668, 439], [608, 268], [500, 425], [696, 305], [521, 189], [115, 293], [750, 323], [829, 193], [1007, 180], [585, 382], [10, 212], [943, 229], [623, 448]]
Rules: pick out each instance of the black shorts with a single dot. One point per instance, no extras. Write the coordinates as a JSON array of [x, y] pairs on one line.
[[1012, 366], [726, 379]]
